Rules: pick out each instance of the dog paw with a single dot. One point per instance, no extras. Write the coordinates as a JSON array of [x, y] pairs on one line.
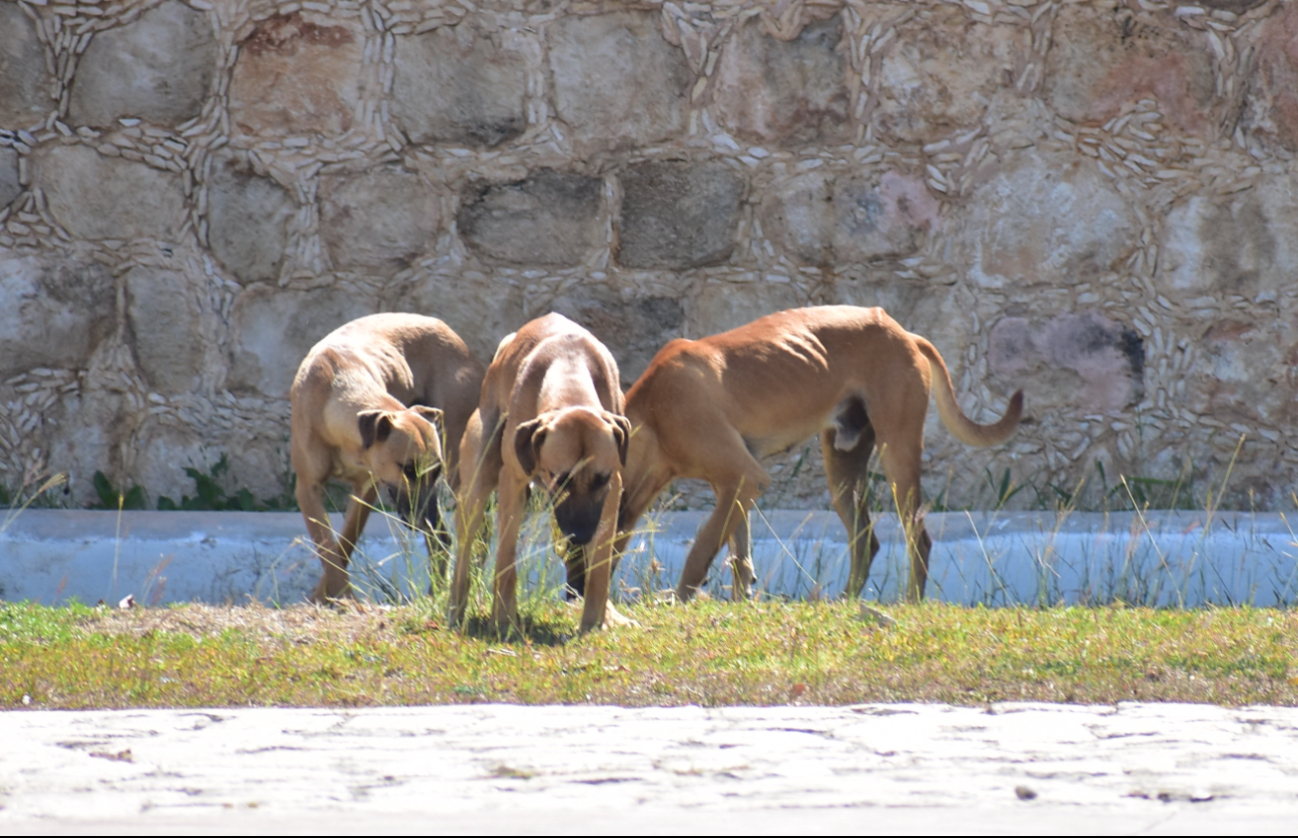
[[615, 619]]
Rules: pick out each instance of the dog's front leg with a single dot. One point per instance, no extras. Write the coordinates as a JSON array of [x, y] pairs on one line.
[[511, 501], [333, 558], [599, 560], [470, 509], [742, 574]]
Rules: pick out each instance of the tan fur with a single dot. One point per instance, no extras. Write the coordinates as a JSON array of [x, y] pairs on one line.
[[711, 408], [551, 411], [366, 404]]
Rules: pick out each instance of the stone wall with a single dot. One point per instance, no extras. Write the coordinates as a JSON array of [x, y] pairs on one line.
[[1094, 201]]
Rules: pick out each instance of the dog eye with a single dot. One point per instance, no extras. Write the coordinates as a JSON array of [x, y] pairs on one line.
[[561, 479], [409, 471], [600, 481]]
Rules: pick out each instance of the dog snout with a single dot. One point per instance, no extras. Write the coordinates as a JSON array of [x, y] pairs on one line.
[[578, 519]]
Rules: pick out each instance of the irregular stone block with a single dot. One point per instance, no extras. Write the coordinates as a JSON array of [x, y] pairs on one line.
[[98, 197], [10, 188], [941, 74], [157, 68], [248, 218], [617, 82], [456, 85], [769, 90], [1082, 361], [1245, 244], [550, 218], [165, 320], [274, 329], [26, 87], [481, 309], [1044, 219], [678, 215], [825, 219], [1271, 97], [380, 220], [298, 74], [632, 329], [1244, 372], [719, 306], [55, 312], [1102, 60], [162, 452]]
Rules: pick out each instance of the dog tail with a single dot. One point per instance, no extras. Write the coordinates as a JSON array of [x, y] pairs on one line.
[[962, 427]]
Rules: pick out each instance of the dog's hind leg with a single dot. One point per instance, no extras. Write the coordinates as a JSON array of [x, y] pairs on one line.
[[511, 507], [849, 476], [901, 464]]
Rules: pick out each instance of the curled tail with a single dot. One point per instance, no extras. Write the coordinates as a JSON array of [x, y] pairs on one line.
[[962, 427]]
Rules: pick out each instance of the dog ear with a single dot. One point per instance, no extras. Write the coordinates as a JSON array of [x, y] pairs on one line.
[[527, 444], [621, 433], [375, 426], [434, 416]]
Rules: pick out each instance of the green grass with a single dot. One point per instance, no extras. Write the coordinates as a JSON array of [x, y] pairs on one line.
[[707, 653]]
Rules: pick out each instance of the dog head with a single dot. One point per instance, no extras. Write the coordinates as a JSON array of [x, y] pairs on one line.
[[574, 453], [403, 450]]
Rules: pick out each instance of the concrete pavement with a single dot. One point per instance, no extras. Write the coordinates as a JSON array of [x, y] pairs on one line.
[[1020, 768]]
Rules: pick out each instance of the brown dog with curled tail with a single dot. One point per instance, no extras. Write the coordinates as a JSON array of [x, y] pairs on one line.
[[711, 408]]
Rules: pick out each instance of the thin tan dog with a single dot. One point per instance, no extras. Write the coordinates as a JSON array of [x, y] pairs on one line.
[[367, 402], [711, 408], [551, 411]]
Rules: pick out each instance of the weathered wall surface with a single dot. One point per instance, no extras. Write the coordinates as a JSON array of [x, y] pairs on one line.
[[1094, 201]]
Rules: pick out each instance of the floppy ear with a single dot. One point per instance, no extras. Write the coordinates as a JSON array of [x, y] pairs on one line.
[[434, 416], [527, 444], [621, 433], [375, 426]]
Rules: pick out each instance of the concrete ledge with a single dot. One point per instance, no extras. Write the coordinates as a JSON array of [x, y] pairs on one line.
[[1164, 558]]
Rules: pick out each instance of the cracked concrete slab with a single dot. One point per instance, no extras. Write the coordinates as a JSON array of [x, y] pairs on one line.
[[1020, 768]]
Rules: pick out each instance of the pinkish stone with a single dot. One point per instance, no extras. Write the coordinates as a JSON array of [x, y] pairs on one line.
[[298, 74], [941, 74], [770, 90], [1103, 60], [1271, 104], [1247, 371], [824, 219], [1083, 361]]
